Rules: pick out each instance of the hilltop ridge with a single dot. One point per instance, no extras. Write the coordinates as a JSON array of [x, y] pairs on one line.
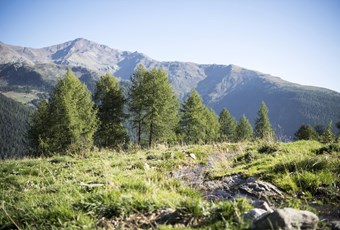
[[239, 89]]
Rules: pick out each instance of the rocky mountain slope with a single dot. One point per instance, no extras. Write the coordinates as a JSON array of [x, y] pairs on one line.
[[241, 90]]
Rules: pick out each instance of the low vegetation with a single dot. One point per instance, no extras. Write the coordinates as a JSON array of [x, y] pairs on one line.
[[132, 188]]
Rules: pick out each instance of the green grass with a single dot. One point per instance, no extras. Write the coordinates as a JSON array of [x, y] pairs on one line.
[[79, 192], [24, 98], [56, 192], [303, 167]]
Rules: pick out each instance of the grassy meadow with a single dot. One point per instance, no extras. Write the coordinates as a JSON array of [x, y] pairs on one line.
[[130, 189]]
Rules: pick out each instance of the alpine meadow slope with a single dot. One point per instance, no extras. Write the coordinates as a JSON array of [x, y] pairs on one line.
[[35, 71]]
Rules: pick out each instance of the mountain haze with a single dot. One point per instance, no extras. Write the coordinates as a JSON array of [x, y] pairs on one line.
[[241, 90]]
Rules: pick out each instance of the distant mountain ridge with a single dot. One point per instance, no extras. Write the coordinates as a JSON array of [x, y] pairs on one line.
[[239, 89]]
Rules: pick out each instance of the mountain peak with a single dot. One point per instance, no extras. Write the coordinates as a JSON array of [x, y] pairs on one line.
[[80, 39]]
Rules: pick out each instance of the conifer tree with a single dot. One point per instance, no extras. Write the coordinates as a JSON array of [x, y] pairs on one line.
[[212, 126], [137, 101], [109, 100], [244, 131], [153, 105], [161, 107], [193, 119], [306, 132], [38, 128], [69, 119], [337, 125], [227, 126], [263, 128], [328, 136]]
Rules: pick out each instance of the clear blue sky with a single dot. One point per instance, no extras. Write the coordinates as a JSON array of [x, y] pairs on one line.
[[297, 40]]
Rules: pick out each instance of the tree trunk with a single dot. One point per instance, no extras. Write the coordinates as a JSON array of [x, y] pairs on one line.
[[139, 132], [150, 135]]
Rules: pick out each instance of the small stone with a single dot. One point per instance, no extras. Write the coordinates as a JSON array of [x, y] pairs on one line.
[[146, 166], [193, 156], [262, 205], [254, 214]]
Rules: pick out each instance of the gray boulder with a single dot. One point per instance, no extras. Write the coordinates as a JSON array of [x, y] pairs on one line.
[[254, 214], [287, 219]]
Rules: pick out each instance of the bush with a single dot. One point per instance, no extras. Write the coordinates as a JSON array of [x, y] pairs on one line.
[[328, 149], [246, 158], [268, 148]]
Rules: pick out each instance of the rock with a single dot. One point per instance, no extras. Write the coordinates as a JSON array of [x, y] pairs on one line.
[[262, 205], [261, 189], [105, 224], [213, 185], [254, 214], [146, 166], [90, 185], [167, 216], [286, 219], [232, 181], [193, 156], [217, 195]]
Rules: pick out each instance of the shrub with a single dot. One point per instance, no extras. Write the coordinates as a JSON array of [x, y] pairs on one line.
[[268, 148], [330, 148]]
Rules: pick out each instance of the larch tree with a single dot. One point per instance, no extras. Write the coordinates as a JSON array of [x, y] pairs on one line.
[[137, 101], [328, 135], [161, 107], [110, 101], [227, 126], [212, 126], [193, 121], [38, 128], [337, 125], [244, 130], [263, 128], [69, 118], [153, 105]]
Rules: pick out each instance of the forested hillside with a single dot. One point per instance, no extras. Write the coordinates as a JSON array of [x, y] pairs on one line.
[[13, 128]]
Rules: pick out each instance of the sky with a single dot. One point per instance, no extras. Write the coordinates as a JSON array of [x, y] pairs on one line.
[[297, 40]]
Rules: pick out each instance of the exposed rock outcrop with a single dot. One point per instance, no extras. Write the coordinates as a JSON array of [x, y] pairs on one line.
[[286, 219]]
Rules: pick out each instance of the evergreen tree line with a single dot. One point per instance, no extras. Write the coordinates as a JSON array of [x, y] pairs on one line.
[[73, 120], [318, 133], [13, 128]]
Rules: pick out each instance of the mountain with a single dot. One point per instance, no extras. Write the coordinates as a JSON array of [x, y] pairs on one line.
[[34, 72]]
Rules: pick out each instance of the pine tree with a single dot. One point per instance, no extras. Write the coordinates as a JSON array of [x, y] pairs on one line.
[[137, 101], [193, 119], [153, 105], [244, 131], [70, 118], [337, 125], [320, 129], [212, 126], [38, 131], [227, 126], [328, 136], [306, 132], [263, 128], [109, 100], [161, 107]]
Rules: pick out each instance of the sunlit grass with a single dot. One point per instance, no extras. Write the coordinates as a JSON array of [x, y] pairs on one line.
[[77, 191]]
